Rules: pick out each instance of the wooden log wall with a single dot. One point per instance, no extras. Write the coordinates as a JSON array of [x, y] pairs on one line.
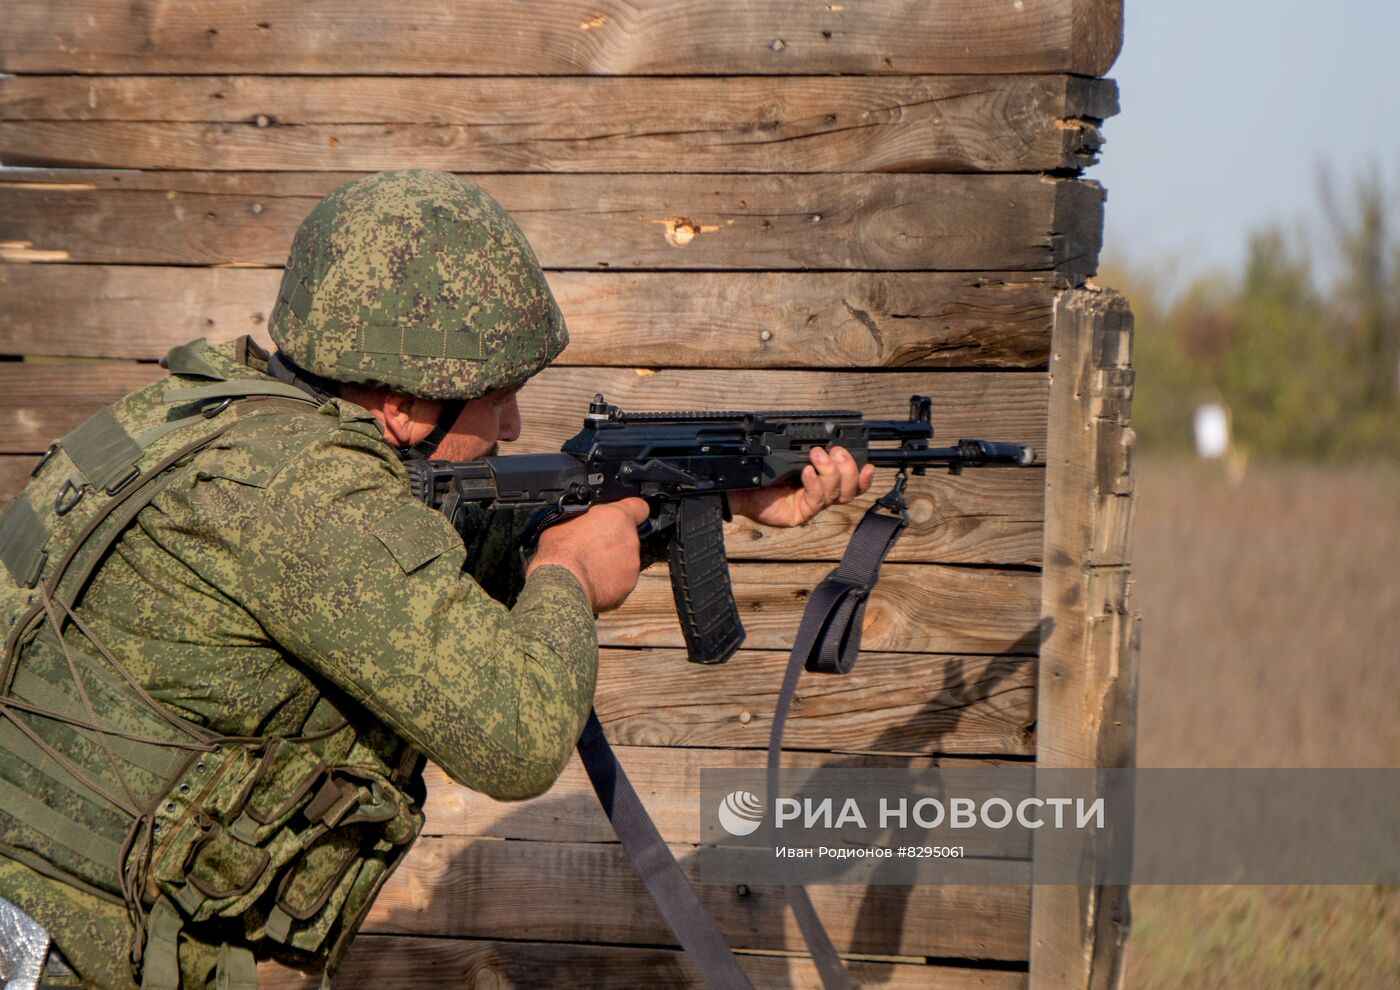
[[738, 203]]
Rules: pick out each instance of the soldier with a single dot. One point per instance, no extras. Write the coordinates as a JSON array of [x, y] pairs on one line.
[[236, 636]]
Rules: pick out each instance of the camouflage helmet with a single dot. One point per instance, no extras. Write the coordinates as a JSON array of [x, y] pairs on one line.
[[420, 282]]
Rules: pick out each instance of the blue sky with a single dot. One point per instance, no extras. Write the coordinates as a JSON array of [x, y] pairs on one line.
[[1230, 110]]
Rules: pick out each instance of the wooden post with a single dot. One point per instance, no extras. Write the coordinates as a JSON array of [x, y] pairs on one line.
[[1085, 709]]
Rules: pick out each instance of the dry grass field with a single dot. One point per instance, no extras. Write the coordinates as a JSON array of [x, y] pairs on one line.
[[1271, 638]]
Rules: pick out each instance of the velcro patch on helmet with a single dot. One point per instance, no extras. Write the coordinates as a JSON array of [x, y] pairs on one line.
[[295, 295], [464, 345]]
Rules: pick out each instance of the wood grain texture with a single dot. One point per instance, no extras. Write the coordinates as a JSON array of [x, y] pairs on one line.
[[47, 400], [944, 610], [755, 248], [667, 779], [978, 517], [891, 703], [14, 475], [692, 319], [562, 37], [992, 405], [747, 124], [919, 608], [406, 962], [1086, 707], [981, 517], [738, 222], [587, 892]]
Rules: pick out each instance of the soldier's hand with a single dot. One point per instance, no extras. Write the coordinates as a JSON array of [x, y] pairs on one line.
[[601, 548], [831, 479]]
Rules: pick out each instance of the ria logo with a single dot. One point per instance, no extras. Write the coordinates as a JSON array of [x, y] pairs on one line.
[[741, 813]]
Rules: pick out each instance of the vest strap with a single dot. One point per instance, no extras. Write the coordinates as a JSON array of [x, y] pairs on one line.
[[24, 744], [160, 962], [22, 539], [235, 389], [237, 969], [147, 437], [143, 753], [279, 924], [190, 898]]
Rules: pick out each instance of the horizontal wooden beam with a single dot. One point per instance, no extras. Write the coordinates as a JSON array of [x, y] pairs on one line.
[[667, 779], [973, 518], [747, 124], [406, 962], [691, 319], [733, 222], [588, 892], [978, 517], [14, 474], [607, 37], [983, 517], [891, 703], [47, 400], [923, 608], [992, 405]]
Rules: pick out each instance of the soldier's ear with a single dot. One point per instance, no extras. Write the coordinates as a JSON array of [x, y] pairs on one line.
[[407, 418], [396, 414]]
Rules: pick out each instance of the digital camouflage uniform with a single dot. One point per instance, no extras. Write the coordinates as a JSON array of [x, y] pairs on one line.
[[284, 582]]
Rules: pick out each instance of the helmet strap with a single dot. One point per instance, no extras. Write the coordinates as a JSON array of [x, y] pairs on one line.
[[425, 448], [325, 389], [279, 366]]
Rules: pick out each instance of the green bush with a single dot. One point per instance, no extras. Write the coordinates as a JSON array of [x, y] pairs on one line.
[[1308, 366]]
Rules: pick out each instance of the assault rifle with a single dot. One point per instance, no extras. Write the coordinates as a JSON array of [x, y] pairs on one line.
[[684, 464]]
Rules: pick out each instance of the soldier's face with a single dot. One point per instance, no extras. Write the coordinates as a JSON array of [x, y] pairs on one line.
[[484, 423]]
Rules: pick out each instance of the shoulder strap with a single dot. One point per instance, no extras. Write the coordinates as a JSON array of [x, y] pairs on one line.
[[134, 493], [237, 388], [131, 500]]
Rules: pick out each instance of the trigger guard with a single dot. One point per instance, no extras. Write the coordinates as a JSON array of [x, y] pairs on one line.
[[663, 519]]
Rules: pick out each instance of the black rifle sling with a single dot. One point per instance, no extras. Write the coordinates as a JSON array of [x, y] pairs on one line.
[[828, 641], [651, 858]]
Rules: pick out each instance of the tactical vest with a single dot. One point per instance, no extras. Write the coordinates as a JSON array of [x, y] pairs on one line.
[[272, 842]]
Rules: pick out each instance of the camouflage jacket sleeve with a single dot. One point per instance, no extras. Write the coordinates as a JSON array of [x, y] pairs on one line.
[[346, 571], [493, 539]]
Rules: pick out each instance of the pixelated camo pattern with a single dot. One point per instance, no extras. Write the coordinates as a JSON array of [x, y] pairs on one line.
[[419, 281], [286, 578]]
